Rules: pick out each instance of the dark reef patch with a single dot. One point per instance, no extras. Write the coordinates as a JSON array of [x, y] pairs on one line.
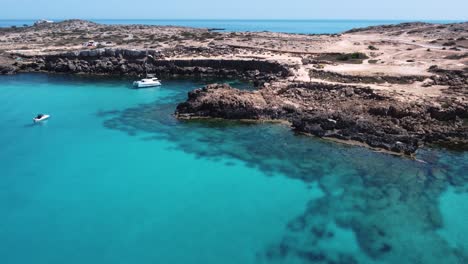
[[380, 198]]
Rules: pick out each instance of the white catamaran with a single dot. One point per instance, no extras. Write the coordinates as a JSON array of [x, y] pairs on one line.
[[149, 81]]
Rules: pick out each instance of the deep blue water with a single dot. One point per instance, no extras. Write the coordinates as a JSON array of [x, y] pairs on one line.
[[113, 177], [288, 26]]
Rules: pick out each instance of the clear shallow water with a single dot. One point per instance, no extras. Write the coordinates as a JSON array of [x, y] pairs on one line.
[[288, 26], [112, 177]]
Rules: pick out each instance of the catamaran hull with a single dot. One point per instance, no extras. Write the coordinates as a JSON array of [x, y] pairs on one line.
[[146, 85]]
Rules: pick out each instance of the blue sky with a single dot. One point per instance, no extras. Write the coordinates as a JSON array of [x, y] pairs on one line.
[[236, 9]]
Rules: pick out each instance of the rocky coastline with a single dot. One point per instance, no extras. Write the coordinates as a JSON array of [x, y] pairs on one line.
[[131, 62], [389, 87], [335, 111]]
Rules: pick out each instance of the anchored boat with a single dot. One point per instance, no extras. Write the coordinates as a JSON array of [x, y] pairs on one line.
[[149, 81], [40, 118]]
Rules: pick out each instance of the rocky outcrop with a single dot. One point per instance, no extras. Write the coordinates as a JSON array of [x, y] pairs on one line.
[[416, 28], [137, 62], [223, 101], [401, 26], [343, 78], [7, 69], [336, 111], [454, 78]]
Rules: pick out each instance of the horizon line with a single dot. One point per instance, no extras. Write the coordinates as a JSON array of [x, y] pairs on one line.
[[254, 19]]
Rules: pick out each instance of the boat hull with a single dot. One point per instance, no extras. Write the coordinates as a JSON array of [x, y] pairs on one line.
[[146, 85], [37, 120]]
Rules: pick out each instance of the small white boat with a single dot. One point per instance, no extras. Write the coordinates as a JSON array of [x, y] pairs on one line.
[[40, 118], [150, 81]]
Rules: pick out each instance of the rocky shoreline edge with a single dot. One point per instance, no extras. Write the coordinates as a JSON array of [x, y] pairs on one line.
[[345, 113], [132, 62]]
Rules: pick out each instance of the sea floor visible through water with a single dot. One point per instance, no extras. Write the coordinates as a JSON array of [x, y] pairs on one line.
[[113, 177]]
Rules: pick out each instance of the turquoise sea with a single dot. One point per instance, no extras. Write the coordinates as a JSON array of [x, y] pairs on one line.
[[113, 177], [289, 26]]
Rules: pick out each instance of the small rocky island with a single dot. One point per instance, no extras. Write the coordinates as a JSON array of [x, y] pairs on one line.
[[391, 87]]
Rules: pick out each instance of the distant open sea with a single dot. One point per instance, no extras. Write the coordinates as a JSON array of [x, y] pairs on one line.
[[288, 26]]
